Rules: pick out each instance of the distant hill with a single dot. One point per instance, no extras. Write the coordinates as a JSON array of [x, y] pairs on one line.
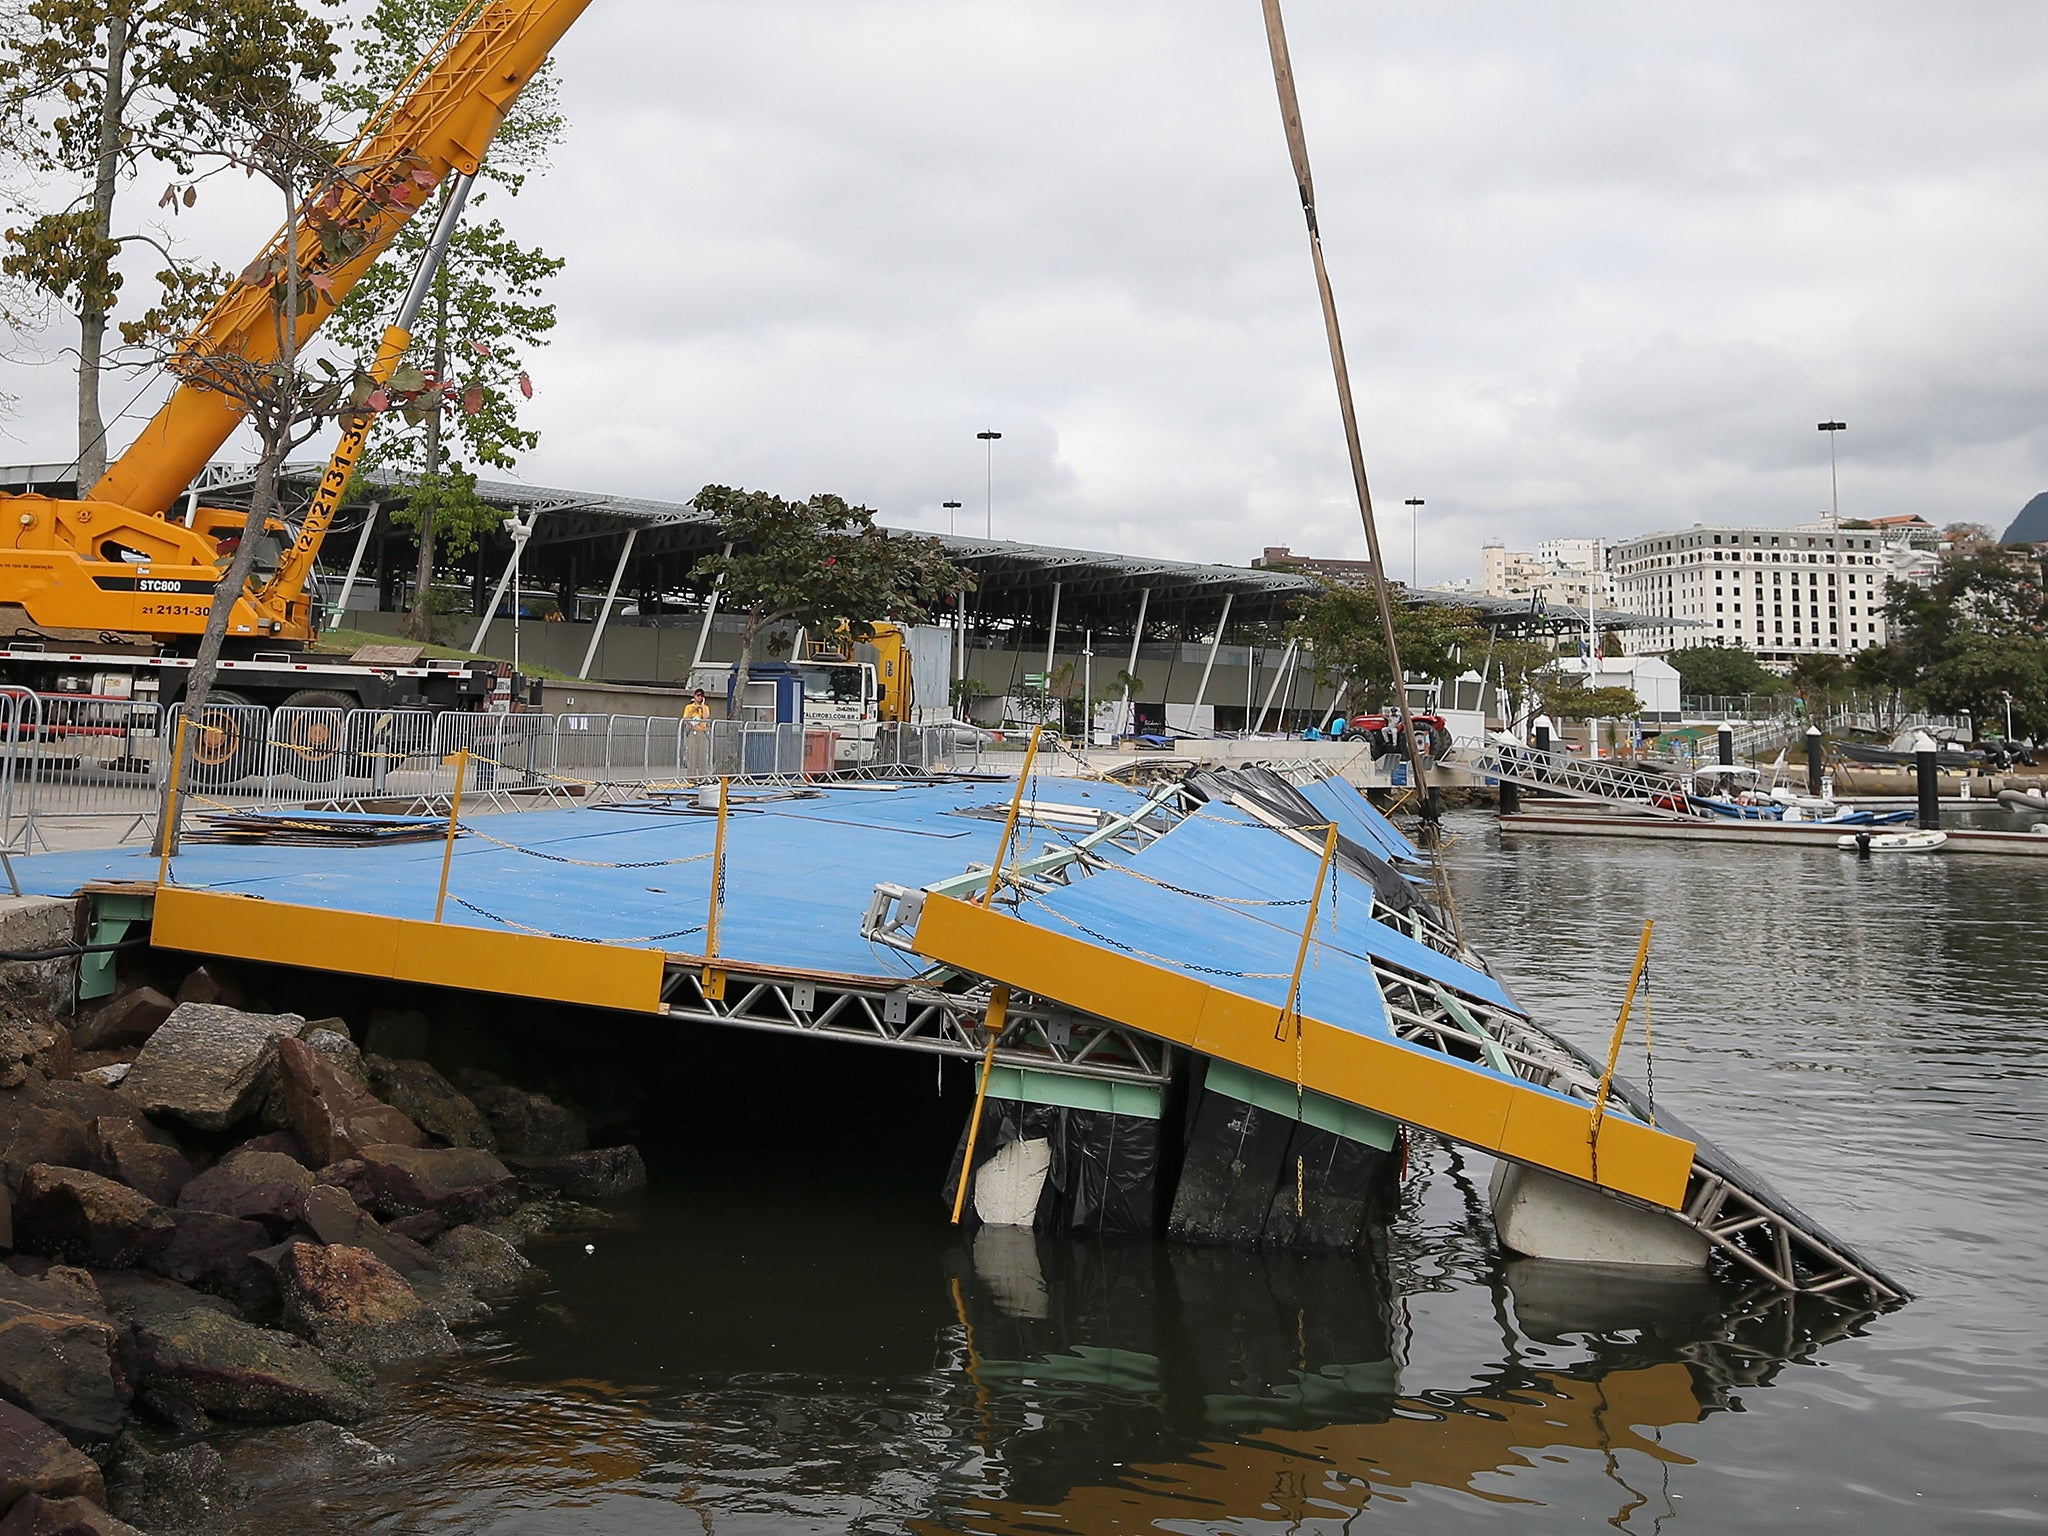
[[2031, 526]]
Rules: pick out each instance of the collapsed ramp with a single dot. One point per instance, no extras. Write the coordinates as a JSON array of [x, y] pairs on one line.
[[1195, 936]]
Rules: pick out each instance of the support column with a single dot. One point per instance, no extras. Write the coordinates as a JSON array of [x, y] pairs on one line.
[[1279, 673], [611, 594], [1131, 666], [497, 596], [1202, 692], [710, 612], [1052, 633], [355, 561]]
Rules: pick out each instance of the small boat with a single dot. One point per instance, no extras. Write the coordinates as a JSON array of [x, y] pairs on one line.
[[1921, 840], [2023, 799]]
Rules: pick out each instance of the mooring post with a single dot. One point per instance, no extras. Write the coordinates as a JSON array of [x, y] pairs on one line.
[[1928, 773], [1540, 733], [1510, 797], [1813, 760], [1724, 745]]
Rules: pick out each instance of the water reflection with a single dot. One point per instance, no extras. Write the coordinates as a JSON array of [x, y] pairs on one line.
[[1135, 1388]]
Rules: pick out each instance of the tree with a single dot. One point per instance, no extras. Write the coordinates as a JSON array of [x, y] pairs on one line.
[[1818, 677], [817, 563], [1721, 671], [1341, 627], [93, 91], [464, 386], [1976, 633], [1566, 697]]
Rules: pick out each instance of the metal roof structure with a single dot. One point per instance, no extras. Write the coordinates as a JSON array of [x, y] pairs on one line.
[[581, 539]]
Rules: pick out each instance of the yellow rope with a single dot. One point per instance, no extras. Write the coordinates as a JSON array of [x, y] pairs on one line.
[[993, 1021], [995, 873]]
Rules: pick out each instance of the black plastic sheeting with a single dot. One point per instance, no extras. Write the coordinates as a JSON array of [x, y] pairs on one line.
[[1256, 1178], [1105, 1167]]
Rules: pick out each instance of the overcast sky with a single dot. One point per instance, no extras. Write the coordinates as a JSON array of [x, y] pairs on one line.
[[1602, 267]]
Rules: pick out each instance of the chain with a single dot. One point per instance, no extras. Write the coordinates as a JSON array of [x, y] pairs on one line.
[[577, 938]]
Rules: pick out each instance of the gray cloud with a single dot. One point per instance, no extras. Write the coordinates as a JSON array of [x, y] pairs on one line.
[[1602, 267]]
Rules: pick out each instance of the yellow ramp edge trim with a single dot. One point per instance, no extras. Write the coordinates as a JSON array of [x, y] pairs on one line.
[[242, 927], [1517, 1121]]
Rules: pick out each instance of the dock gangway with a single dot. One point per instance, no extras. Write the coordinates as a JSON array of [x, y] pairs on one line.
[[1642, 790]]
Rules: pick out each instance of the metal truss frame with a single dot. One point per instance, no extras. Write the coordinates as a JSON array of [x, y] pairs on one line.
[[918, 1016], [1558, 773]]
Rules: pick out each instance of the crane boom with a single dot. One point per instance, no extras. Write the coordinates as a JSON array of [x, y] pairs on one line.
[[444, 122]]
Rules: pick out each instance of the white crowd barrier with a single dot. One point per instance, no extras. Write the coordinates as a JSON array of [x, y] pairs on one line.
[[91, 758]]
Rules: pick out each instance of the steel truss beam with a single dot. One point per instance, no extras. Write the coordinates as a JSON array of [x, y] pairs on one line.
[[921, 1016]]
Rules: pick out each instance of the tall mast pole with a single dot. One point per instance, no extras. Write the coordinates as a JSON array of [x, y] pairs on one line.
[[1297, 149]]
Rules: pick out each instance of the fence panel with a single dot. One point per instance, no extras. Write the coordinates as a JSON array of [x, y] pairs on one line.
[[505, 751], [305, 754], [390, 751], [78, 756]]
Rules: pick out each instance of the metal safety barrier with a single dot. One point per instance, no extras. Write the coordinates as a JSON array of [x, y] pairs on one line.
[[100, 766]]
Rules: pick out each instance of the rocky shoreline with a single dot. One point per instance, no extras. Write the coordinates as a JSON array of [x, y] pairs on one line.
[[216, 1217]]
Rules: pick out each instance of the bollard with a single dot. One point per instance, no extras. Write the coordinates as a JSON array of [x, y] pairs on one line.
[[1510, 797], [1862, 845], [1724, 744], [1929, 777], [1542, 734], [1814, 752]]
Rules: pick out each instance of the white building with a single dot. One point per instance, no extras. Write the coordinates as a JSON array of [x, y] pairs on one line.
[[1572, 571], [1782, 593]]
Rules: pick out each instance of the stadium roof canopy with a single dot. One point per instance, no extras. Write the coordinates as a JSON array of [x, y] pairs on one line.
[[578, 539]]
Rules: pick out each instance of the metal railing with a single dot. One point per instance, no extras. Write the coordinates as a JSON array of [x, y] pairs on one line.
[[80, 759]]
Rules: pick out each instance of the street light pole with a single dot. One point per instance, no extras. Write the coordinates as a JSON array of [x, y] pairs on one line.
[[1834, 485], [1414, 506], [951, 507], [988, 441]]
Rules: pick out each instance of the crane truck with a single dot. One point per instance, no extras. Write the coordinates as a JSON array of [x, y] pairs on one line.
[[106, 594]]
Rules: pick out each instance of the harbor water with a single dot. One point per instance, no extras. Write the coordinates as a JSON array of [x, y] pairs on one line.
[[785, 1336]]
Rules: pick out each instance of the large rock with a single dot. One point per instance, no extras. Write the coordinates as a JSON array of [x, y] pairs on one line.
[[34, 1515], [233, 1370], [61, 1367], [604, 1173], [335, 1218], [122, 1150], [530, 1124], [36, 1460], [399, 1033], [214, 1253], [336, 1046], [128, 1019], [209, 1065], [132, 1296], [30, 1048], [301, 1456], [430, 1100], [45, 1287], [212, 985], [481, 1260], [456, 1183], [332, 1113], [258, 1186], [34, 1130], [71, 1214], [184, 1488], [355, 1307]]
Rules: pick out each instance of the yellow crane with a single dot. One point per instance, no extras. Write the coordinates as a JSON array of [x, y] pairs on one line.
[[113, 574]]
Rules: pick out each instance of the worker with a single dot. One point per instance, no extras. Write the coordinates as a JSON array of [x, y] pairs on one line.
[[697, 713]]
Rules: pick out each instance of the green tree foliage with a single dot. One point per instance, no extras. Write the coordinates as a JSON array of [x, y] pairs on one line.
[[1721, 671], [457, 402], [1978, 633], [93, 92], [818, 563], [1341, 627], [1565, 696]]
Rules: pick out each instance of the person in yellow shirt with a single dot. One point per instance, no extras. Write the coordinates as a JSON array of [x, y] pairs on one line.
[[697, 712]]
